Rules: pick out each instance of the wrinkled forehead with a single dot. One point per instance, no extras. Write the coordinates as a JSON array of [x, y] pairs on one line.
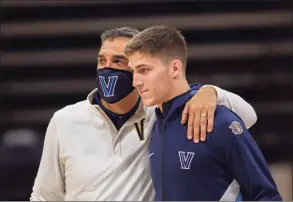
[[112, 47]]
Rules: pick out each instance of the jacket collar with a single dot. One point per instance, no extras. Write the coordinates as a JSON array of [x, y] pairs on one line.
[[171, 106], [139, 114]]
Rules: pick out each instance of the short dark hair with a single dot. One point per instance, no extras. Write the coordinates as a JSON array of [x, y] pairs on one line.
[[128, 32], [163, 41]]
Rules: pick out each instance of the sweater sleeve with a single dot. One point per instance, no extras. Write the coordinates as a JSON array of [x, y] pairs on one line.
[[49, 182], [238, 105]]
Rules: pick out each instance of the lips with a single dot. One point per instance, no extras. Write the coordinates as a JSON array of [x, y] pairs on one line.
[[142, 91]]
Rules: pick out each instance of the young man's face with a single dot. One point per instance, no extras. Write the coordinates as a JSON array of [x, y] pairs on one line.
[[112, 54], [151, 78]]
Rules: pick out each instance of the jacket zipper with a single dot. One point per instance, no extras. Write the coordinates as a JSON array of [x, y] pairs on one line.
[[163, 161]]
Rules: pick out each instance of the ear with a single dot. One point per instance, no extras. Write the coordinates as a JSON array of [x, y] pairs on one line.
[[176, 68]]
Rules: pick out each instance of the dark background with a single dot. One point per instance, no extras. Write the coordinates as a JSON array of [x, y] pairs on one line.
[[48, 60]]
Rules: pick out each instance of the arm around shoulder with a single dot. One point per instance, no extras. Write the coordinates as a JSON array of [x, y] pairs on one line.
[[236, 104], [49, 182]]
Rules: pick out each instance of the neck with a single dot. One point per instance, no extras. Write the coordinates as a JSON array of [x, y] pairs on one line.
[[124, 105], [178, 88]]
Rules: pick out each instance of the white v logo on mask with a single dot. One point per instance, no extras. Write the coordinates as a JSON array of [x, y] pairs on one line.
[[108, 88], [113, 84]]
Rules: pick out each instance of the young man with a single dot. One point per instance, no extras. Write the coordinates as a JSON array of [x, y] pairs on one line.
[[228, 166], [97, 149]]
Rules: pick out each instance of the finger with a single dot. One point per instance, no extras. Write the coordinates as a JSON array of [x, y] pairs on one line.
[[203, 126], [196, 124], [189, 132], [211, 115], [185, 113], [190, 123]]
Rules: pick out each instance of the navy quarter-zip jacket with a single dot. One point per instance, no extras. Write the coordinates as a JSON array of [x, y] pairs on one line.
[[228, 166]]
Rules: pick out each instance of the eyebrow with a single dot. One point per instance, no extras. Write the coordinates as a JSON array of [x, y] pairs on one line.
[[141, 65], [120, 57], [100, 56], [114, 56]]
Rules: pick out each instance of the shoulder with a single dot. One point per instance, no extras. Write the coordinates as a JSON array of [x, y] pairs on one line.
[[76, 108], [227, 124], [64, 120], [78, 111], [228, 132], [75, 112], [224, 116]]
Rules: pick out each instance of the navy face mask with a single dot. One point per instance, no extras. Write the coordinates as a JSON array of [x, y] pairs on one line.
[[114, 84]]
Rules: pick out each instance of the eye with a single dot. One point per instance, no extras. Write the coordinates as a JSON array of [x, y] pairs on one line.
[[144, 70], [120, 62], [101, 61]]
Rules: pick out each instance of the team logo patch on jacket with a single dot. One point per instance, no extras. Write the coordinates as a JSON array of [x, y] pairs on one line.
[[236, 128]]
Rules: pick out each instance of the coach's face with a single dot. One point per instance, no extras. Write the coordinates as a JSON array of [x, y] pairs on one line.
[[114, 77], [112, 54], [151, 78]]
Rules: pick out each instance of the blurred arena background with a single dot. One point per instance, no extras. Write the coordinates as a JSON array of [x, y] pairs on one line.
[[48, 60]]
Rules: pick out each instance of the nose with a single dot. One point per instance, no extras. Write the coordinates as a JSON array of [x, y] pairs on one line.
[[110, 64], [137, 80]]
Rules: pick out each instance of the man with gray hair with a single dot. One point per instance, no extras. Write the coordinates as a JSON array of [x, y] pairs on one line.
[[97, 149]]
